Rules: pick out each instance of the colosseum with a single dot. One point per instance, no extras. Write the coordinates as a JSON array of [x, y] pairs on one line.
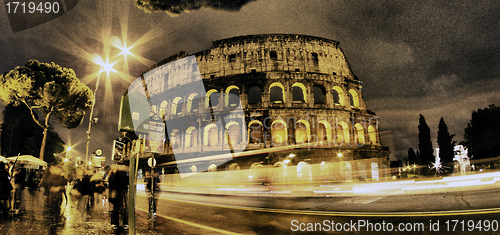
[[277, 100]]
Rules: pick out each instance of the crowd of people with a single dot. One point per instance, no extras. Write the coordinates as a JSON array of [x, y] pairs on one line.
[[85, 188]]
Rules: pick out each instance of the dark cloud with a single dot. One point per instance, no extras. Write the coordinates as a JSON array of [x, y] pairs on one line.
[[436, 58], [175, 7]]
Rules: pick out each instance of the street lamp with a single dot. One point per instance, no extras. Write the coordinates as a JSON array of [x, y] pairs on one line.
[[67, 152], [105, 66]]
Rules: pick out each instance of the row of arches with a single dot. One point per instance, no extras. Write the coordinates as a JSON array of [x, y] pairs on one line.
[[299, 94], [230, 97], [233, 132], [339, 133]]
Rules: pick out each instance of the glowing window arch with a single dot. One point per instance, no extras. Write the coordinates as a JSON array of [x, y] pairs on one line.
[[256, 165], [362, 171], [359, 133], [328, 131], [279, 132], [275, 97], [233, 167], [355, 98], [153, 109], [207, 100], [281, 165], [190, 140], [372, 134], [212, 168], [302, 132], [175, 140], [194, 168], [340, 94], [163, 108], [304, 170], [190, 105], [342, 133], [210, 135], [346, 170], [255, 132], [177, 106], [232, 98], [233, 131], [303, 88]]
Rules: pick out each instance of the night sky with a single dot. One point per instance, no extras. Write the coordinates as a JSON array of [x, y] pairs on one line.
[[436, 58]]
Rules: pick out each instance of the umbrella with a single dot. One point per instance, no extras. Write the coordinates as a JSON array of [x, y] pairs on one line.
[[3, 159], [28, 159]]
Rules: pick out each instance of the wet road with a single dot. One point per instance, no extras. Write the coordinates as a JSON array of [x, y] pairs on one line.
[[463, 212]]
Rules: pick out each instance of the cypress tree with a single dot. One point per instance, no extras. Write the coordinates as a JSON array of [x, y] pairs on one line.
[[424, 142]]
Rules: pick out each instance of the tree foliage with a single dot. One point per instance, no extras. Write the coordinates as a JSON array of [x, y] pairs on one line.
[[482, 133], [51, 90], [175, 7], [412, 157], [424, 142], [445, 142]]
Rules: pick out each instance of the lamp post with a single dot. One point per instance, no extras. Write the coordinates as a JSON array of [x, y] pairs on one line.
[[105, 66]]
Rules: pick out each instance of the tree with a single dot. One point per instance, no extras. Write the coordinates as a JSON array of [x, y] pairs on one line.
[[445, 142], [20, 135], [19, 132], [175, 7], [412, 157], [481, 135], [49, 89], [424, 142]]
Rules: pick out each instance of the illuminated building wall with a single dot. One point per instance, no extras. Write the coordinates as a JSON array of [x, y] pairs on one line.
[[294, 90]]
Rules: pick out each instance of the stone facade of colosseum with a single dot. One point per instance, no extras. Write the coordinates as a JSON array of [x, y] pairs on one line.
[[263, 100]]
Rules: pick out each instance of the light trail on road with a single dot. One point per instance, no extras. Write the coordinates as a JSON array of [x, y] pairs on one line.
[[340, 213]]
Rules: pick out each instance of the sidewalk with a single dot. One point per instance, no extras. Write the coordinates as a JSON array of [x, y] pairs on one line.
[[37, 219]]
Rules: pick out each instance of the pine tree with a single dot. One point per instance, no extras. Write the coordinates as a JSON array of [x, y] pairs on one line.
[[481, 135], [55, 92], [412, 157]]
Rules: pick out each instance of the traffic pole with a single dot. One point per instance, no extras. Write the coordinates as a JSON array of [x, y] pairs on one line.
[[132, 179]]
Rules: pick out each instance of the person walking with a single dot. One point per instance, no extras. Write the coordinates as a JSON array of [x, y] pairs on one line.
[[152, 190], [84, 188], [5, 188], [118, 194], [54, 184], [19, 185], [98, 187]]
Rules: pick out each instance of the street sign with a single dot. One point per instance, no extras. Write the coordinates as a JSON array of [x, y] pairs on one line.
[[152, 162], [156, 138], [118, 150], [134, 113]]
